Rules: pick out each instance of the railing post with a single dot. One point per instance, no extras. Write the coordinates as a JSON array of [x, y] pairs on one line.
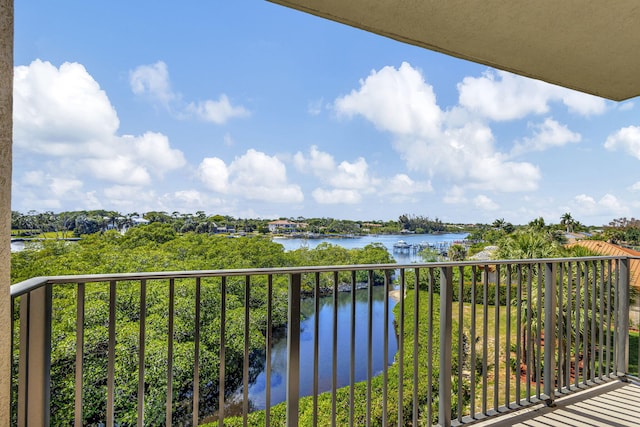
[[34, 377], [446, 326], [293, 350], [550, 324], [622, 346]]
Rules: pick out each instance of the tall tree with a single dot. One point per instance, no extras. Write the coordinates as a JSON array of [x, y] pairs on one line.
[[567, 221]]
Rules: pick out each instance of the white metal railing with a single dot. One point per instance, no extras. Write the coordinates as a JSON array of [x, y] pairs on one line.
[[477, 339]]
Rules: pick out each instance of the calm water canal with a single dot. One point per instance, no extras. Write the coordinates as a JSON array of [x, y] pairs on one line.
[[325, 366], [257, 390], [387, 240]]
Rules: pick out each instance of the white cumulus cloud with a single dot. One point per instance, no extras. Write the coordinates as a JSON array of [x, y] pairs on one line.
[[254, 176], [218, 112], [485, 203], [547, 134], [65, 121], [60, 111], [499, 95], [403, 184], [462, 152], [336, 196], [608, 206], [214, 174], [626, 139], [153, 82], [396, 100], [348, 182]]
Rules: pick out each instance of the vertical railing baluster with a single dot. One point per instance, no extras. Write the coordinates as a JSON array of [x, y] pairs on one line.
[[222, 352], [496, 353], [23, 362], [460, 340], [141, 350], [560, 334], [401, 352], [507, 342], [416, 316], [245, 359], [385, 348], [485, 338], [608, 317], [569, 325], [316, 344], [586, 357], [111, 356], [519, 329], [79, 386], [616, 310], [472, 382], [623, 319], [429, 353], [334, 354], [169, 404], [529, 342], [539, 359], [550, 327], [446, 326], [601, 321], [268, 344], [579, 339], [594, 296], [13, 395], [369, 342], [195, 415], [35, 357], [352, 359], [293, 349]]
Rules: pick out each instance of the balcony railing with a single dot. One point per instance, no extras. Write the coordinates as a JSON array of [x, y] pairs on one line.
[[474, 340]]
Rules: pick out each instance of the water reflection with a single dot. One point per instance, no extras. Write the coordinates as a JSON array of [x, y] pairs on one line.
[[257, 390]]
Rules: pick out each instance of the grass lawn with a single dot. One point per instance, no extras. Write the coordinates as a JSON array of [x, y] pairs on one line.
[[503, 314], [47, 235]]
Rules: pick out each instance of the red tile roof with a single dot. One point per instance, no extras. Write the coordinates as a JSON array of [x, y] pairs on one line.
[[609, 249]]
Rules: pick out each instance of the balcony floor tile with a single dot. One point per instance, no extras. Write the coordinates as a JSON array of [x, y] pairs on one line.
[[612, 404]]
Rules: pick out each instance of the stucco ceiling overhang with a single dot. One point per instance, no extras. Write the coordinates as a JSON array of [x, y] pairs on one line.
[[590, 46]]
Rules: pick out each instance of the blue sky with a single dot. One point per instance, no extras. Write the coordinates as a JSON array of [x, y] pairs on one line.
[[250, 109]]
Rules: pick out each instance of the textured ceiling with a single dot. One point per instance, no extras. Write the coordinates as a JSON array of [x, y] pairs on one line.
[[590, 46]]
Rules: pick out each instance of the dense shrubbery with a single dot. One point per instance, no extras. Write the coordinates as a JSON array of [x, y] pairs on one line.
[[157, 247]]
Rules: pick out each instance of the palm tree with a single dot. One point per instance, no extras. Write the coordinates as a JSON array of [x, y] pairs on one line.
[[537, 224], [526, 245], [567, 220], [576, 302], [457, 253]]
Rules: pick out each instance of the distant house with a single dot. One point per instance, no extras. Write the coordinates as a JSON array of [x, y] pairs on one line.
[[224, 229], [367, 226], [574, 237], [283, 226], [609, 249]]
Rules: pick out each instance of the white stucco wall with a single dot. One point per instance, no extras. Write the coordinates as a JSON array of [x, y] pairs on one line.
[[6, 111]]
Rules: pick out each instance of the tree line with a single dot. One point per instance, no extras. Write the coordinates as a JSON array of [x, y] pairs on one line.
[[77, 223]]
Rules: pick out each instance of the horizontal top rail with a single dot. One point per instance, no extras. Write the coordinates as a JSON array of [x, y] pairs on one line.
[[31, 284]]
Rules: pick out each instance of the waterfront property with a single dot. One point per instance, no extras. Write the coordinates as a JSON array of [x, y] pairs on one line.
[[468, 348]]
